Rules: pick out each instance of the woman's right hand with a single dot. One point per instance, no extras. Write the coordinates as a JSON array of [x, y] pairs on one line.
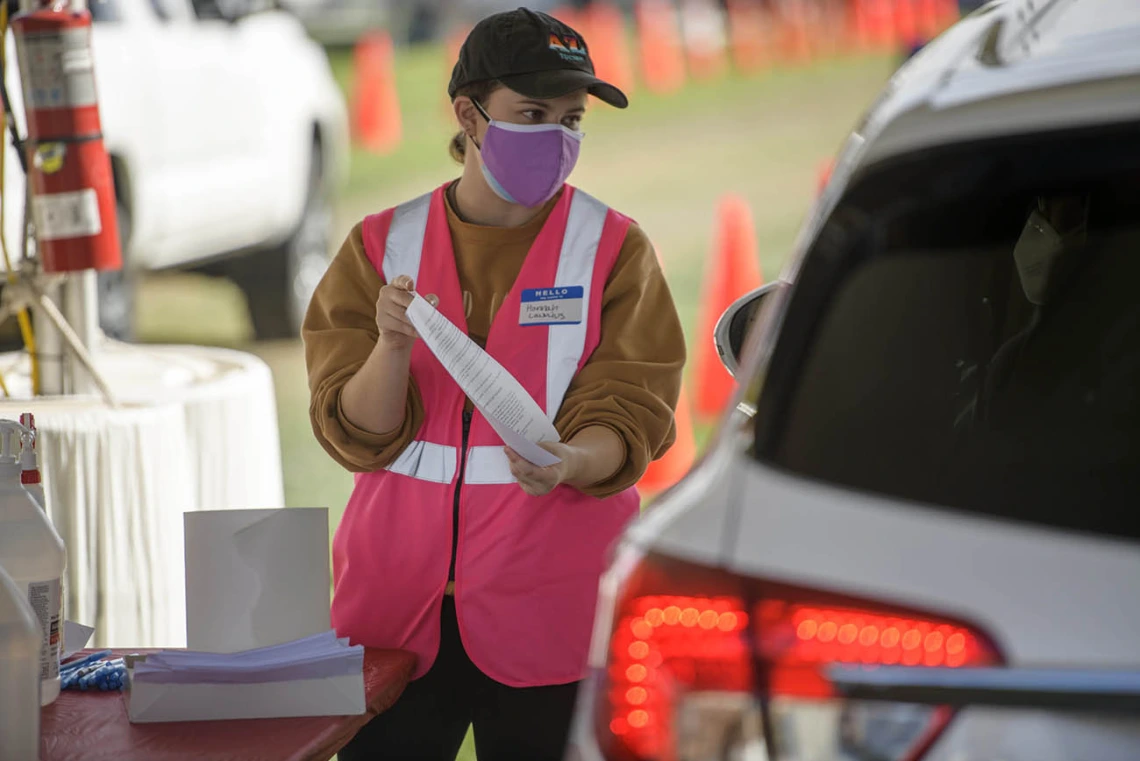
[[396, 330]]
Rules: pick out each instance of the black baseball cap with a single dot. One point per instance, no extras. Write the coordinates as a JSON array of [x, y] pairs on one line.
[[534, 54]]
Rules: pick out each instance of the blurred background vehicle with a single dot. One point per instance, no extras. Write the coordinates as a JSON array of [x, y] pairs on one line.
[[227, 135], [923, 496]]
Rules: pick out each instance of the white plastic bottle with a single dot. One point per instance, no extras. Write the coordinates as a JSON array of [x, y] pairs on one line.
[[34, 556], [29, 462], [19, 674]]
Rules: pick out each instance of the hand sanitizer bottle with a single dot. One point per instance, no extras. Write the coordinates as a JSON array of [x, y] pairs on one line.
[[34, 557]]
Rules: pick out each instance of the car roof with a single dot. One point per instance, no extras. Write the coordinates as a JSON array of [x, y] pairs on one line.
[[1013, 67]]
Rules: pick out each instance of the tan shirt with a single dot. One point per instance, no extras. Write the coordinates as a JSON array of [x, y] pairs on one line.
[[630, 383]]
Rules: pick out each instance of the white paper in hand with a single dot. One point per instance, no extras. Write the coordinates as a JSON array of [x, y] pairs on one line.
[[497, 394]]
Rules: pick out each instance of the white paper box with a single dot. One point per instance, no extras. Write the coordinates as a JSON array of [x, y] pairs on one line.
[[255, 577], [150, 702]]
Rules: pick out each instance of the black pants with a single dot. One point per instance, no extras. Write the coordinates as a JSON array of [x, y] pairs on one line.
[[431, 718]]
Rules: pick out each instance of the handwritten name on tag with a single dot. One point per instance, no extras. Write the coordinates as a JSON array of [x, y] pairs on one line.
[[551, 306]]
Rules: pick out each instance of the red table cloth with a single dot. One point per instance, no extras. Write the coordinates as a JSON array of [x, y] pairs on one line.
[[93, 726]]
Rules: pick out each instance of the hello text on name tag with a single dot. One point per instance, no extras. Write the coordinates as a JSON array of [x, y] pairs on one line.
[[551, 306]]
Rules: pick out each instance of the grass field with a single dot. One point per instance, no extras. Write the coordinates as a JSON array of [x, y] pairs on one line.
[[665, 161]]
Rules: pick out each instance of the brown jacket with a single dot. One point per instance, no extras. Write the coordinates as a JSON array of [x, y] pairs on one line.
[[630, 383]]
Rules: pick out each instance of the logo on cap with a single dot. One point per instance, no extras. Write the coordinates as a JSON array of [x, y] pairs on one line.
[[568, 47]]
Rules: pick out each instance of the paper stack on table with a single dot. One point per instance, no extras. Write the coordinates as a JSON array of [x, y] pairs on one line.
[[320, 675], [255, 577], [497, 394]]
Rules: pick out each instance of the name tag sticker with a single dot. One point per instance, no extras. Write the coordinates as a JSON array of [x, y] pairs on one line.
[[551, 306]]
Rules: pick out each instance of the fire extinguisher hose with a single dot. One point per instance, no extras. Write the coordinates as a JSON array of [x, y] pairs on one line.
[[22, 316]]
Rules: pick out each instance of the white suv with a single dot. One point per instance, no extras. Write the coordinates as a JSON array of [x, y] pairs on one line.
[[915, 534], [226, 131]]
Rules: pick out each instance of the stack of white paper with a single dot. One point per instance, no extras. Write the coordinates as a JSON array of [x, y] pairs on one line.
[[255, 577], [320, 675]]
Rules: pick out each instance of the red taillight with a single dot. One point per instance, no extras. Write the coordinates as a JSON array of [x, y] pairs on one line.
[[795, 639], [682, 634], [663, 646]]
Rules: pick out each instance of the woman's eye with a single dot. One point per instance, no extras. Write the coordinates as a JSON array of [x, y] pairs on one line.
[[572, 122], [534, 115]]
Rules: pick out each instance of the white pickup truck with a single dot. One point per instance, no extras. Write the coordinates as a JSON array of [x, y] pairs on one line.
[[226, 132]]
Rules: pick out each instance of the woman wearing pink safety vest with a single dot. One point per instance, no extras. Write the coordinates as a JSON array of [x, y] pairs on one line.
[[452, 545]]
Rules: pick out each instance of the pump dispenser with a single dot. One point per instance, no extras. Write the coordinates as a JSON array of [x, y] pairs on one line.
[[29, 462], [34, 557]]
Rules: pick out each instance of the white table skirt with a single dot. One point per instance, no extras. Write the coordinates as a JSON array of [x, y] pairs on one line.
[[197, 431]]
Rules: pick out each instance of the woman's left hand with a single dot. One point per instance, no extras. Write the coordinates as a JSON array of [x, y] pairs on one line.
[[537, 481]]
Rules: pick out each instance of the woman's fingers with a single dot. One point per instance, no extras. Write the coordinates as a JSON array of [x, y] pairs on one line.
[[398, 296], [391, 311], [533, 480]]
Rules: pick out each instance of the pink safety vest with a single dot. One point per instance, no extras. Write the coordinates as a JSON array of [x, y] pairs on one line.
[[527, 568]]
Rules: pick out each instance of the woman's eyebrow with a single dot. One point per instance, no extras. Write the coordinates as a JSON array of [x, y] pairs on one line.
[[576, 111]]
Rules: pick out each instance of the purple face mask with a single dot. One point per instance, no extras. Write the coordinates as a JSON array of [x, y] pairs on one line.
[[527, 164]]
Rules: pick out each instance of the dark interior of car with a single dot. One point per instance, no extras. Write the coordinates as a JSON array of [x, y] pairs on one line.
[[980, 351]]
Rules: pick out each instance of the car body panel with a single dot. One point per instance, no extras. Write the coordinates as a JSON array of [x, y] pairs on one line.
[[987, 571]]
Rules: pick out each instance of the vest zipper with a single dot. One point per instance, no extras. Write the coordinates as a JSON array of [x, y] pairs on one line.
[[458, 486]]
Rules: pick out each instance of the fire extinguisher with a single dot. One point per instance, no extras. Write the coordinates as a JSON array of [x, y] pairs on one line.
[[73, 191]]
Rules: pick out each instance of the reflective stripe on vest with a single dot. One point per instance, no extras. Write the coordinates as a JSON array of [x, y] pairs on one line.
[[426, 461], [405, 244], [575, 267], [436, 463], [403, 251], [487, 465]]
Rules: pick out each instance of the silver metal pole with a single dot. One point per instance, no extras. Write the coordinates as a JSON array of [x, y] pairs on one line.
[[76, 345], [81, 309], [49, 347]]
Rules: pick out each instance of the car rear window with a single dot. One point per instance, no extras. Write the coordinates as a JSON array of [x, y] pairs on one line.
[[972, 340]]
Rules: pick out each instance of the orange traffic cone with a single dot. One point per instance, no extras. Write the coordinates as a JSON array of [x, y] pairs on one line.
[[796, 23], [659, 46], [609, 47], [731, 271], [703, 26], [675, 463], [454, 42], [749, 36], [880, 23], [863, 25], [906, 23], [376, 109], [823, 174], [929, 19], [949, 15], [834, 22]]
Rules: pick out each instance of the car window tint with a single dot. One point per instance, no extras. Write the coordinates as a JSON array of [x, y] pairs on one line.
[[998, 372]]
